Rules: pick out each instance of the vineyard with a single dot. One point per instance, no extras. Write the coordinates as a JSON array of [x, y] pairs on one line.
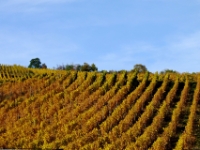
[[52, 109]]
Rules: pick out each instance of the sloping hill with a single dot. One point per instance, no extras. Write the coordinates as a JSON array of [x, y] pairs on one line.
[[90, 110]]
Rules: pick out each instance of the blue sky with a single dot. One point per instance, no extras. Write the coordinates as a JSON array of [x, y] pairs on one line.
[[115, 35]]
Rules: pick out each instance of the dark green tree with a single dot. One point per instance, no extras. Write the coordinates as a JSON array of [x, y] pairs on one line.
[[85, 67], [35, 63], [70, 67], [140, 68], [78, 67], [93, 67], [168, 71]]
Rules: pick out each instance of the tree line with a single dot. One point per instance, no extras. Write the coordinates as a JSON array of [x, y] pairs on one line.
[[78, 67], [36, 63]]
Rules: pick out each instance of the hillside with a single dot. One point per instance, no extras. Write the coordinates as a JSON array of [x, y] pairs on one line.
[[41, 108]]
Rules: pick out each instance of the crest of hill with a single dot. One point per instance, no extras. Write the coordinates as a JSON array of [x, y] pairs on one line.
[[51, 109]]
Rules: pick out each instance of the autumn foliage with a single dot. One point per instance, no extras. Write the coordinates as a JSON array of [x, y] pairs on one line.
[[49, 109]]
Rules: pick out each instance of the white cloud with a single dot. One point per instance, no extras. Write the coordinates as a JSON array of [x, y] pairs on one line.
[[33, 2], [20, 47], [190, 42], [184, 52], [17, 48], [29, 5], [179, 53]]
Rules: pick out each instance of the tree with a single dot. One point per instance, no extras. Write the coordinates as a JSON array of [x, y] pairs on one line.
[[93, 67], [85, 67], [69, 67], [44, 66], [78, 67], [35, 63], [73, 67], [140, 68], [168, 71]]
